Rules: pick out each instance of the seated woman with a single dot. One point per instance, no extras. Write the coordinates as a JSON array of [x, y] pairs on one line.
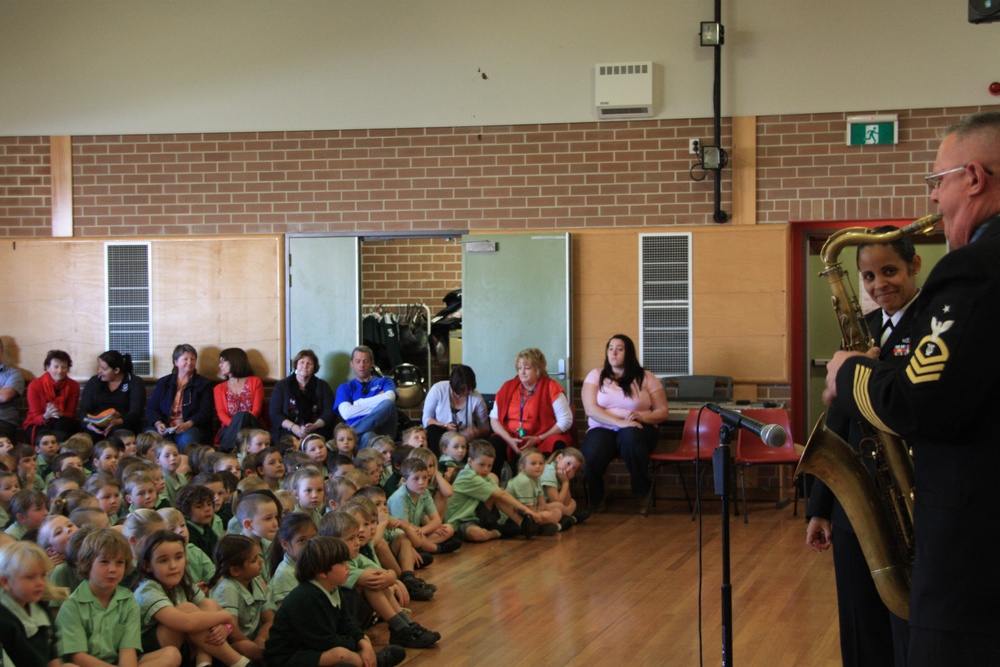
[[53, 398], [455, 405], [624, 404], [114, 388], [180, 408], [302, 403], [239, 399], [531, 410]]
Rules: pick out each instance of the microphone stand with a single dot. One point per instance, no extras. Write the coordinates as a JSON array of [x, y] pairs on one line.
[[722, 465]]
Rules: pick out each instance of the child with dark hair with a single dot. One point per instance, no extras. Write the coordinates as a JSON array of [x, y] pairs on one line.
[[28, 509], [374, 585], [197, 504], [339, 465], [200, 567], [269, 466], [46, 447], [106, 457], [26, 467], [239, 589], [296, 529], [397, 457], [173, 611], [332, 637]]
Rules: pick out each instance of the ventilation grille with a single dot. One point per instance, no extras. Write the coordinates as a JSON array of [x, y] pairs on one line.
[[617, 70], [665, 303], [129, 310]]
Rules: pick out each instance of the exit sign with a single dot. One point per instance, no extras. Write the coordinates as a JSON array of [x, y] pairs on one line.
[[872, 130]]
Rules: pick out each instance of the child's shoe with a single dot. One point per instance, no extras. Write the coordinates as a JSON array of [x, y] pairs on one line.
[[426, 558], [548, 529], [390, 656], [566, 523], [581, 515], [449, 545], [414, 636], [416, 588], [528, 526]]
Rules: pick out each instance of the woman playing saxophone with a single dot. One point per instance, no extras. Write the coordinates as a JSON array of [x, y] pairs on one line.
[[869, 633]]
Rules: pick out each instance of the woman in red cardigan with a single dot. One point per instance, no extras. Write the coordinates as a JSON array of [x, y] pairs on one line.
[[531, 410], [239, 398], [53, 398]]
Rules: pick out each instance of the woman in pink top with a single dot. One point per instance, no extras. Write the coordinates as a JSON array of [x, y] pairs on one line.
[[239, 398], [624, 405]]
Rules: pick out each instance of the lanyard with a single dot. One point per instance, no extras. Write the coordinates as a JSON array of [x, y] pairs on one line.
[[520, 417]]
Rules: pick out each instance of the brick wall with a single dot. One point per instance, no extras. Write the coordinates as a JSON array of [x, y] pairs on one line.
[[624, 174], [805, 172], [25, 187]]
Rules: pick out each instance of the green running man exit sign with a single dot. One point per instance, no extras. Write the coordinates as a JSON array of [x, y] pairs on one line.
[[872, 130]]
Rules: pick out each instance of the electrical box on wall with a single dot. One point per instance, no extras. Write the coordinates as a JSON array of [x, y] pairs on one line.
[[623, 90]]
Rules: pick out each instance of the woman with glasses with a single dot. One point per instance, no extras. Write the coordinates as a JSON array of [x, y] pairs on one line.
[[455, 405], [180, 408], [869, 633]]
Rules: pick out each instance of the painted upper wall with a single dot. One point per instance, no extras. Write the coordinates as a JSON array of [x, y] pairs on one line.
[[146, 66]]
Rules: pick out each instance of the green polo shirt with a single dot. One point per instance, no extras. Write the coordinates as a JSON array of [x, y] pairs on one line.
[[86, 626], [199, 566], [283, 581], [152, 598], [16, 530], [402, 506], [359, 565], [172, 482], [246, 604], [470, 490]]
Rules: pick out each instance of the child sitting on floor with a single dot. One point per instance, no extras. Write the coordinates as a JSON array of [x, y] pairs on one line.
[[332, 637]]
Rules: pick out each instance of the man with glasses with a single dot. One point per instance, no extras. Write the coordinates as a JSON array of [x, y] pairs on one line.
[[941, 401]]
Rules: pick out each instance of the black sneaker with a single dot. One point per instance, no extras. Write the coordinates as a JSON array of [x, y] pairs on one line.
[[427, 584], [581, 515], [390, 656], [449, 545], [427, 558], [413, 636], [431, 633], [566, 523], [417, 589], [528, 526], [548, 529], [508, 529]]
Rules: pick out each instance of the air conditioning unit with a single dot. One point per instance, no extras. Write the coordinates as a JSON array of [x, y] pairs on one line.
[[623, 90]]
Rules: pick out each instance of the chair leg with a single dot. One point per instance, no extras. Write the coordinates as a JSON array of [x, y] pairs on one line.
[[743, 488], [650, 499]]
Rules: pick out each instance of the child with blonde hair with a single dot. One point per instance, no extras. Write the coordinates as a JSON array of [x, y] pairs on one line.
[[338, 491], [414, 503], [526, 487], [563, 465], [344, 441], [454, 447], [26, 632], [314, 447], [415, 436], [101, 619], [54, 535], [439, 487]]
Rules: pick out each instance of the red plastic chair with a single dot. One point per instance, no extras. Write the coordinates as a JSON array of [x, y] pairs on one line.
[[750, 450], [688, 453]]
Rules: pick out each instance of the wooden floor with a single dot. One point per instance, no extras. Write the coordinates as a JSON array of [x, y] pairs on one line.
[[623, 590]]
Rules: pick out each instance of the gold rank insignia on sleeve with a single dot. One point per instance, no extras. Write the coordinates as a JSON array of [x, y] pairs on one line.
[[862, 375], [930, 356]]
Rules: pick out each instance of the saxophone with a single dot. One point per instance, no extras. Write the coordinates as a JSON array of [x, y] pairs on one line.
[[880, 511]]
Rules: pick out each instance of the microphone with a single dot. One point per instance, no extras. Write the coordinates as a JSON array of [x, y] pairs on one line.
[[772, 434]]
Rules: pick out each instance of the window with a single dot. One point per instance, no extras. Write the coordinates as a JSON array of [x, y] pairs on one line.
[[129, 303], [665, 303]]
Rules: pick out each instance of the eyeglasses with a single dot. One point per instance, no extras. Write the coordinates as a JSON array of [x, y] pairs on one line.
[[934, 180]]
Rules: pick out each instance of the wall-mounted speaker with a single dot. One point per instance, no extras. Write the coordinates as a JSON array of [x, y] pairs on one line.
[[984, 11]]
